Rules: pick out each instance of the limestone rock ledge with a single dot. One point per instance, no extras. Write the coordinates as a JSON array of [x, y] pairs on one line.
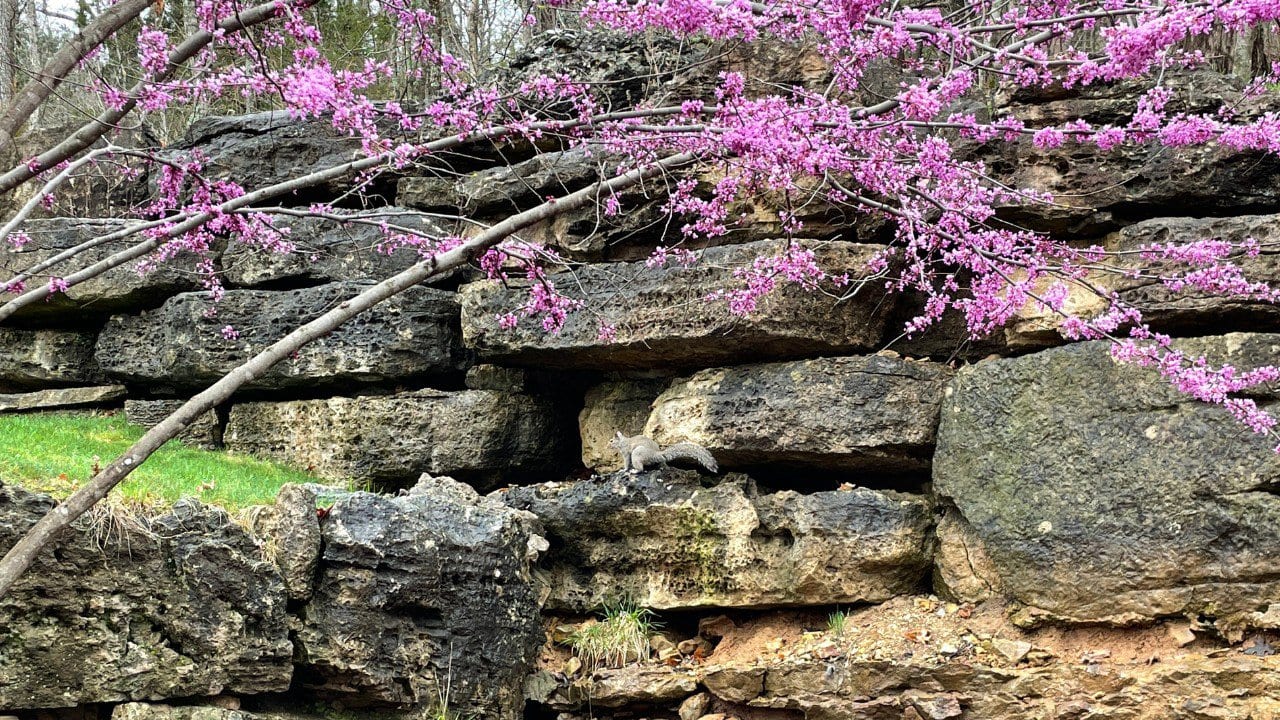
[[479, 435], [662, 316], [872, 413], [180, 606], [1095, 492], [666, 542], [32, 359], [179, 345], [422, 591]]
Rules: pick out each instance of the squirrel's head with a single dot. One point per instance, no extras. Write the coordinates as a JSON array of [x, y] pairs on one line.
[[618, 442]]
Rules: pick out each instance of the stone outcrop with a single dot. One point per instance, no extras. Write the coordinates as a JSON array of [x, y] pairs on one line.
[[662, 316], [62, 398], [503, 190], [180, 345], [128, 608], [420, 593], [123, 289], [203, 432], [479, 435], [666, 542], [874, 413], [1101, 494], [39, 358], [326, 252]]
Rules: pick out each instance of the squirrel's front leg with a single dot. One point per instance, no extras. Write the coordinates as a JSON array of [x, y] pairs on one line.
[[635, 463]]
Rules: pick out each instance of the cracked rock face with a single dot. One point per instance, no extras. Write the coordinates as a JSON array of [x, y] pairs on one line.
[[666, 542], [1099, 493], [31, 359], [422, 591], [188, 608]]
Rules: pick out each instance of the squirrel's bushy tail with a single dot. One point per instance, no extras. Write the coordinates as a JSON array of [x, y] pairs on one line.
[[690, 451]]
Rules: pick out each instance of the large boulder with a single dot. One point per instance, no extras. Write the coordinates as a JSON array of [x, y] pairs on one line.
[[181, 345], [123, 289], [479, 435], [662, 316], [1095, 492], [327, 251], [39, 358], [666, 542], [424, 597], [126, 608], [876, 414]]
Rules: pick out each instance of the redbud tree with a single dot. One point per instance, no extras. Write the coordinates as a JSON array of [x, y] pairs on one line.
[[903, 158]]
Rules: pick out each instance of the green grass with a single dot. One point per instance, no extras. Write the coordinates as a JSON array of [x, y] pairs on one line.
[[56, 452], [621, 636]]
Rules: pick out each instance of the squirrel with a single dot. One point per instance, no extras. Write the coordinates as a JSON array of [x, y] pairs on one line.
[[639, 452]]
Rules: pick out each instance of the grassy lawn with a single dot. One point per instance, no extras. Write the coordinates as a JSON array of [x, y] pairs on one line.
[[55, 452]]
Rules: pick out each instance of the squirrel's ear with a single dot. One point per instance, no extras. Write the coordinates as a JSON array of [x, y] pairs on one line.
[[620, 435]]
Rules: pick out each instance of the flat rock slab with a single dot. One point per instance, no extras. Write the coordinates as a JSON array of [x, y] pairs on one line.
[[30, 359], [123, 289], [871, 413], [326, 251], [62, 398], [478, 435], [185, 606], [422, 592], [663, 318], [1097, 493], [666, 542], [179, 345]]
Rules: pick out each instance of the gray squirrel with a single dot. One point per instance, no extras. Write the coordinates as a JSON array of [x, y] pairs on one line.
[[639, 452]]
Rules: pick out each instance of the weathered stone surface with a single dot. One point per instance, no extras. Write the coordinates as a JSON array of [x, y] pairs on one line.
[[38, 358], [290, 535], [62, 398], [265, 148], [1099, 493], [662, 317], [203, 432], [180, 606], [420, 591], [120, 290], [872, 413], [326, 252], [412, 335], [619, 687], [611, 407], [160, 711], [666, 542], [506, 189], [479, 435]]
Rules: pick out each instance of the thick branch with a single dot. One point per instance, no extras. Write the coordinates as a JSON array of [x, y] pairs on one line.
[[47, 529], [49, 77]]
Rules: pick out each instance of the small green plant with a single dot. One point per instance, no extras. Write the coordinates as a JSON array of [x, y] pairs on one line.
[[619, 637], [836, 622]]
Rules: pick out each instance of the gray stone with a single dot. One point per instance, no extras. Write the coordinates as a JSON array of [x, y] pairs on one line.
[[290, 535], [422, 591], [178, 605], [873, 413], [123, 289], [662, 316], [506, 189], [612, 407], [1101, 494], [31, 359], [158, 711], [326, 251], [479, 435], [62, 398], [666, 542], [412, 335], [203, 432]]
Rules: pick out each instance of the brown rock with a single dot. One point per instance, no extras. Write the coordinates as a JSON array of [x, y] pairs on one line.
[[612, 407]]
